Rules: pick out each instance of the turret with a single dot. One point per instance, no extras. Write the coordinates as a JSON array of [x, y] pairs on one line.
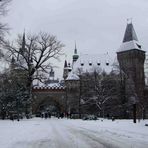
[[67, 69]]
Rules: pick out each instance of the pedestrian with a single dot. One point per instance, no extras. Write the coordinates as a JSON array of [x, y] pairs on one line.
[[11, 117], [113, 118], [46, 115], [42, 115], [49, 115]]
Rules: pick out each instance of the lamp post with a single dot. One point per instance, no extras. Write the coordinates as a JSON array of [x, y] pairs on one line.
[[17, 105], [134, 103], [134, 112]]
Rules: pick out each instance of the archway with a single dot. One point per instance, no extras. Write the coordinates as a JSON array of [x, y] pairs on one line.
[[49, 105], [48, 99]]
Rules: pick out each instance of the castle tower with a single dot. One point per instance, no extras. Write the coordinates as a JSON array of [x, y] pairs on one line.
[[131, 59], [75, 56]]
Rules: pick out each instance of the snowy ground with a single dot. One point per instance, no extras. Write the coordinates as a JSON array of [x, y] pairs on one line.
[[66, 133]]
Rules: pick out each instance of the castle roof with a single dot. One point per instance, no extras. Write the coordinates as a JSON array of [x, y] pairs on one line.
[[90, 63], [129, 46], [130, 33], [130, 40], [72, 76]]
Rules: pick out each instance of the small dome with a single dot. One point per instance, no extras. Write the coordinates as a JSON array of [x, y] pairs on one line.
[[75, 56]]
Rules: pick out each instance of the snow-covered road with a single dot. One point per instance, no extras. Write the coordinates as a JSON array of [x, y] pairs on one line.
[[65, 133]]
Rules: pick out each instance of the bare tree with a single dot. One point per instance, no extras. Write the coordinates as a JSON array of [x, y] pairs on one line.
[[34, 54], [3, 11]]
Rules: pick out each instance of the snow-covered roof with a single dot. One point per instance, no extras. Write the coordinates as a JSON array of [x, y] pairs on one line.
[[68, 68], [90, 63], [130, 40], [72, 76], [129, 46]]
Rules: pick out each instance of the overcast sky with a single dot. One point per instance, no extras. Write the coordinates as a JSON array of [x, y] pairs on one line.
[[97, 26]]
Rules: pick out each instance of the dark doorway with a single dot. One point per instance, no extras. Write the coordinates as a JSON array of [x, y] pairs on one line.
[[49, 107]]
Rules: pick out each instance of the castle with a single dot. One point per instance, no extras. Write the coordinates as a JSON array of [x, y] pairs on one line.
[[131, 61]]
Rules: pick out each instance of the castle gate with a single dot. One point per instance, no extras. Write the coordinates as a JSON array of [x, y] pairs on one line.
[[51, 99]]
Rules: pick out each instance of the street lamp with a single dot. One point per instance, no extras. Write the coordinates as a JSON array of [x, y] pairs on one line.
[[134, 102]]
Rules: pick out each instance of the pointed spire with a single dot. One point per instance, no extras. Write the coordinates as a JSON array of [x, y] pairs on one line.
[[75, 51], [75, 56], [130, 33], [65, 64], [23, 41], [22, 49]]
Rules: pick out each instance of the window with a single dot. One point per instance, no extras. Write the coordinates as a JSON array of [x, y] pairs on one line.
[[90, 64], [107, 63], [98, 64], [139, 46], [82, 64]]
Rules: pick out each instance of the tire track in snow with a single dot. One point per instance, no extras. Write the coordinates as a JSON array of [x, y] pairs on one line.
[[109, 139], [92, 139], [65, 138]]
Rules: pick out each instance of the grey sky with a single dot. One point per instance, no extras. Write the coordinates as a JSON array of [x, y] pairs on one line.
[[97, 25]]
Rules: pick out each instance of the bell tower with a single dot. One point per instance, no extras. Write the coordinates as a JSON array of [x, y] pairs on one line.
[[131, 59]]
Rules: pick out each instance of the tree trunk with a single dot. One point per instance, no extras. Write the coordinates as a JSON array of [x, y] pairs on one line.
[[29, 100], [134, 113]]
